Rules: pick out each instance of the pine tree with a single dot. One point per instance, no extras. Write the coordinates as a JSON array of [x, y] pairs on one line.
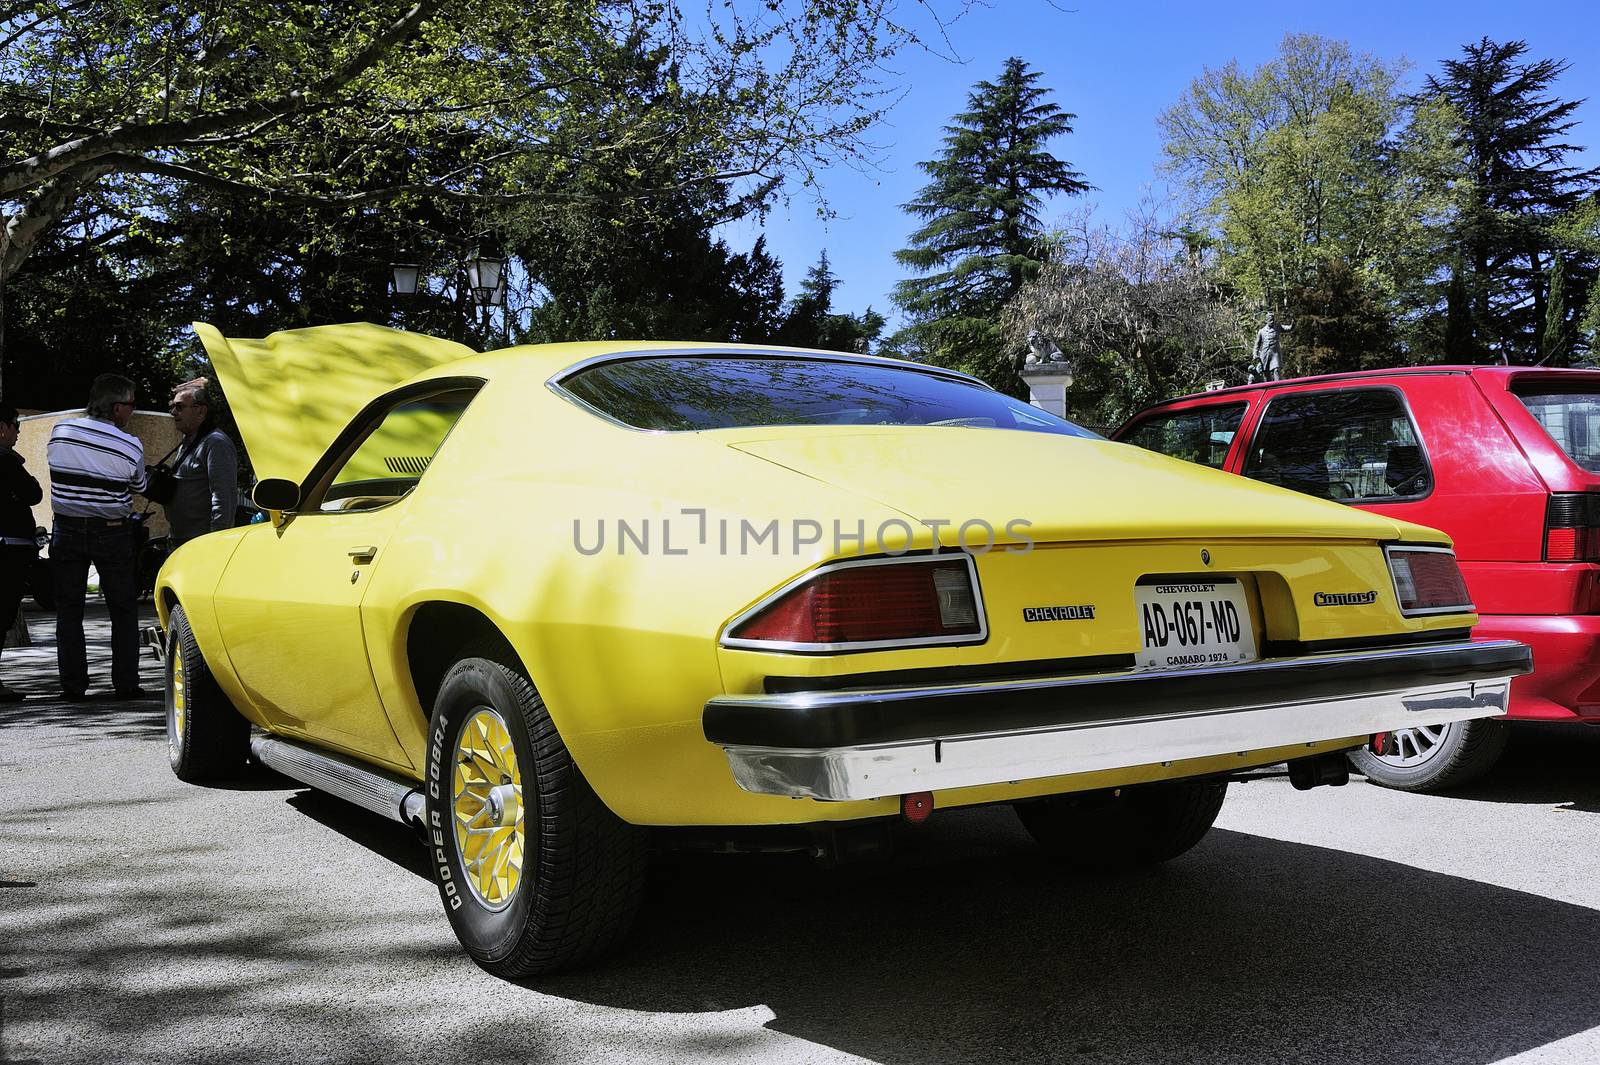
[[1553, 349], [978, 243], [813, 323], [1513, 133]]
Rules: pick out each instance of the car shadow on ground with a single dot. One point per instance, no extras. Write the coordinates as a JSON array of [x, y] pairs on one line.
[[974, 948], [968, 946], [1544, 765]]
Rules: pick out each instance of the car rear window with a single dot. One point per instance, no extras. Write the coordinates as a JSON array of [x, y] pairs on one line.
[[687, 393], [1572, 418], [1352, 445], [1194, 434]]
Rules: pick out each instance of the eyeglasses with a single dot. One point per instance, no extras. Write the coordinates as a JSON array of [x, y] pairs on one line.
[[176, 407], [123, 403]]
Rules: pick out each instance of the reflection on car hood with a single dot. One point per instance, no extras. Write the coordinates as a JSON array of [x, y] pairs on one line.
[[293, 392], [1068, 488]]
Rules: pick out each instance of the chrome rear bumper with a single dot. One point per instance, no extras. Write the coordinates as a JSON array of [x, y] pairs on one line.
[[868, 743]]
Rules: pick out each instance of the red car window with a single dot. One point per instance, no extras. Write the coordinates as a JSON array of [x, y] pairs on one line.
[[1570, 416], [1194, 434], [1352, 445]]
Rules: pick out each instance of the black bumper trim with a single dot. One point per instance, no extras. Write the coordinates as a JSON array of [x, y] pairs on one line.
[[819, 720]]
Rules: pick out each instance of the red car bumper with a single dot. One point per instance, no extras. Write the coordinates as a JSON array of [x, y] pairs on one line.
[[1565, 682]]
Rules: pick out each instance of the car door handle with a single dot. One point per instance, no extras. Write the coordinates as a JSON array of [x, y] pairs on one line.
[[362, 554]]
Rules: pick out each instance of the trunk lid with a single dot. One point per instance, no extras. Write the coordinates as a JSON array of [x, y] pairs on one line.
[[1066, 488]]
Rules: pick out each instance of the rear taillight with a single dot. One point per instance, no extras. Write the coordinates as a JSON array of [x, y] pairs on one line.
[[860, 605], [1572, 527], [1428, 581]]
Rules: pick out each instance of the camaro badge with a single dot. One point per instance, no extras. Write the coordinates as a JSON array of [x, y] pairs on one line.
[[1083, 612], [1345, 598]]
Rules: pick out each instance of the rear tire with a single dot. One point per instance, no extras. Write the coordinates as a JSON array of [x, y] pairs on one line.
[[535, 873], [1123, 828], [1436, 759], [207, 739]]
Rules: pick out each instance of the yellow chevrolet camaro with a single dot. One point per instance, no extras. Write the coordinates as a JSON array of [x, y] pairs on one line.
[[558, 604]]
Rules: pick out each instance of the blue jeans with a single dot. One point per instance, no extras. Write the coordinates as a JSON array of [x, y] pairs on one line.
[[74, 544]]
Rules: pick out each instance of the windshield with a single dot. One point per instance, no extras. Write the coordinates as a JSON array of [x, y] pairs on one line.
[[1572, 419], [686, 393]]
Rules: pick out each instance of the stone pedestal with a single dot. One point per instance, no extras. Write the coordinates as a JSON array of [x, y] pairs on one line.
[[1047, 386]]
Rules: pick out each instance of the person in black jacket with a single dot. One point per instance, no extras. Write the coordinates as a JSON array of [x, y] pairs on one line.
[[18, 493]]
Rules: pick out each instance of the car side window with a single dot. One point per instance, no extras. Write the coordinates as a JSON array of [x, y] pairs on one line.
[[1352, 445], [386, 462], [1194, 434]]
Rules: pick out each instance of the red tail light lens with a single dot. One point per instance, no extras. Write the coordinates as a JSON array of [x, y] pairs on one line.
[[1572, 527], [1428, 581], [858, 605]]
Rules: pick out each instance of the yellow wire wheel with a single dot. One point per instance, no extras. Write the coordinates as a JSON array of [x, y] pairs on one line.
[[486, 807]]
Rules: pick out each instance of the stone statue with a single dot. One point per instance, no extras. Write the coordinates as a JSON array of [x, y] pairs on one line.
[[1041, 349], [1266, 359]]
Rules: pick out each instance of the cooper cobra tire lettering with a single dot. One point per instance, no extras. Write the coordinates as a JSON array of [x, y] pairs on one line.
[[567, 889]]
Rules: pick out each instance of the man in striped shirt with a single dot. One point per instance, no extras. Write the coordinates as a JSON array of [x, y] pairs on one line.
[[95, 467]]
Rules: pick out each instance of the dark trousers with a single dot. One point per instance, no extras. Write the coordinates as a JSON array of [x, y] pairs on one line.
[[15, 562], [74, 544]]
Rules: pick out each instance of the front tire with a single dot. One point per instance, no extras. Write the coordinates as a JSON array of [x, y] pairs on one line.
[[535, 873], [207, 739], [1123, 828], [1437, 757]]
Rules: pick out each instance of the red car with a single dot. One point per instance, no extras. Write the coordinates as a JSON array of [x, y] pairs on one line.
[[1505, 459]]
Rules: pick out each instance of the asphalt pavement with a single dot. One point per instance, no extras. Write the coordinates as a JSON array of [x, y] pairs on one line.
[[143, 920]]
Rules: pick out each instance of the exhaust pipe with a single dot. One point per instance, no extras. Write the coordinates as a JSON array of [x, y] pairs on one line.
[[1324, 769]]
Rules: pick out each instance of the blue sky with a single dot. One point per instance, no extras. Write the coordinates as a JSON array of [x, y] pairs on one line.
[[1117, 66]]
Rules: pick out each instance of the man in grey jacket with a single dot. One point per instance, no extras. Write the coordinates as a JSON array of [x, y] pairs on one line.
[[207, 468]]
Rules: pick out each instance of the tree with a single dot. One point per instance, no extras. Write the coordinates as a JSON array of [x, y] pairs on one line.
[[1142, 314], [1323, 185], [1513, 137], [813, 323], [1553, 340], [979, 241], [392, 102]]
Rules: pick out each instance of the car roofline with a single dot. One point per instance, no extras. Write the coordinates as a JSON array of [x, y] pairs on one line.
[[753, 351], [1347, 375]]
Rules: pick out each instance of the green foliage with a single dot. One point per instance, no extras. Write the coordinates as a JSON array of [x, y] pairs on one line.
[[812, 322], [1141, 312], [1324, 185], [979, 239], [1513, 139], [1555, 341], [280, 156]]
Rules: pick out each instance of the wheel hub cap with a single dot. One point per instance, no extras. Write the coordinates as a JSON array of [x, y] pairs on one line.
[[487, 808], [1413, 746], [179, 700]]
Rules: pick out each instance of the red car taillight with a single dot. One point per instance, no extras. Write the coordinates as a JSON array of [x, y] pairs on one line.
[[1428, 581], [1572, 527], [856, 605]]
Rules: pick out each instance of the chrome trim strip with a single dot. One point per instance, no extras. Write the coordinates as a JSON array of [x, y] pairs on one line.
[[870, 772], [1464, 608], [365, 786], [757, 351], [866, 645]]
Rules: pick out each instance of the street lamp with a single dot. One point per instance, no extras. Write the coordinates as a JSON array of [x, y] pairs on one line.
[[483, 275], [405, 278]]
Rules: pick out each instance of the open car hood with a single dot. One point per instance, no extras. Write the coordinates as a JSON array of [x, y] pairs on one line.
[[293, 392]]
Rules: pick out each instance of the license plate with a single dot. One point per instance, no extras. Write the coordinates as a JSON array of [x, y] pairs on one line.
[[1194, 623]]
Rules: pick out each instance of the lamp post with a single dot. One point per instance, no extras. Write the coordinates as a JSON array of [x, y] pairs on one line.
[[404, 278], [486, 278]]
